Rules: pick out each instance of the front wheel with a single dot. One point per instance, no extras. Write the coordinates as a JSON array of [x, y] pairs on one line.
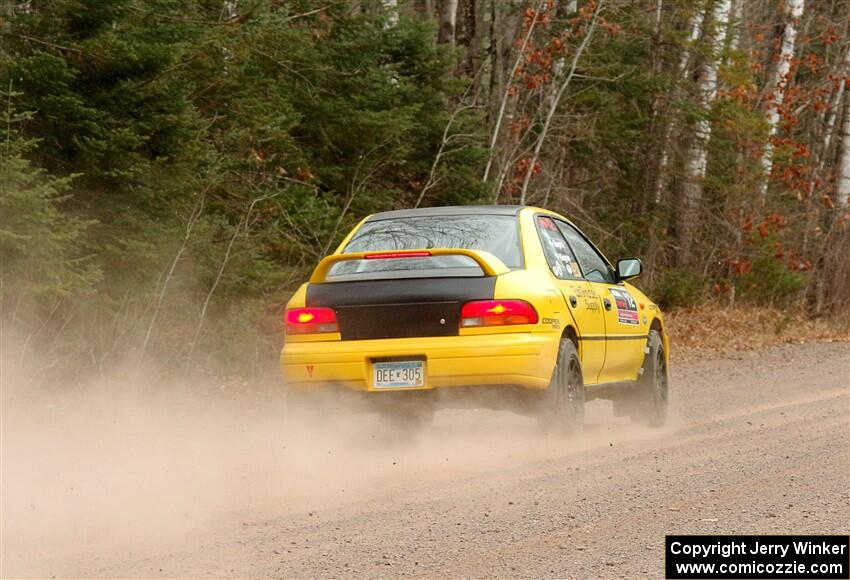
[[652, 387], [563, 408]]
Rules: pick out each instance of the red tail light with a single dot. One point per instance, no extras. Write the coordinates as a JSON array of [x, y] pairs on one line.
[[311, 320], [497, 313]]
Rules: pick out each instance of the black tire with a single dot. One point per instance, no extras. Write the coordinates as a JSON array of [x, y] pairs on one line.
[[563, 407], [652, 397]]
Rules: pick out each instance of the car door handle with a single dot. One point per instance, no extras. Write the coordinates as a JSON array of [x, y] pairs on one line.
[[607, 303], [573, 301]]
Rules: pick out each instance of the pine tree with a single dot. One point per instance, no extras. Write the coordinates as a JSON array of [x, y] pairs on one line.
[[39, 243]]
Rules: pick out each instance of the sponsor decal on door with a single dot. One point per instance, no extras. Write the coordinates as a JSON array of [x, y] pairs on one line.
[[627, 310]]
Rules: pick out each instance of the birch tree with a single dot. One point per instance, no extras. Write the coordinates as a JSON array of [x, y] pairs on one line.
[[662, 173], [448, 20], [391, 8], [777, 84], [696, 158], [842, 186], [736, 25], [826, 123]]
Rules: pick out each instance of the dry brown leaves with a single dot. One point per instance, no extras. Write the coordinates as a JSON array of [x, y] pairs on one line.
[[715, 331]]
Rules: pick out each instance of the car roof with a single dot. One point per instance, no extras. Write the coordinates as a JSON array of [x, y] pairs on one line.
[[504, 210]]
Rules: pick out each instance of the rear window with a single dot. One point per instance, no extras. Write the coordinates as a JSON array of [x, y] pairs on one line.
[[498, 235]]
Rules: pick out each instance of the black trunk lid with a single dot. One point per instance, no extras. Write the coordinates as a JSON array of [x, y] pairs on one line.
[[399, 308]]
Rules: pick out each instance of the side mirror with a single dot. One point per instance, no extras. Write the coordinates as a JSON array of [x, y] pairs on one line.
[[628, 268]]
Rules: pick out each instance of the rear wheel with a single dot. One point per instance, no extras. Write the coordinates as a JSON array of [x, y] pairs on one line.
[[564, 406]]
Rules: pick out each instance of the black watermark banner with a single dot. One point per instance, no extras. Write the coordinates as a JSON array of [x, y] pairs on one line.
[[764, 557]]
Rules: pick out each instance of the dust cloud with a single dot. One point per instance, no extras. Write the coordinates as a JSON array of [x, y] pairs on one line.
[[134, 466]]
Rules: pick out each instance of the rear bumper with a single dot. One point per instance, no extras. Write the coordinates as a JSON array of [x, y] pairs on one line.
[[522, 359]]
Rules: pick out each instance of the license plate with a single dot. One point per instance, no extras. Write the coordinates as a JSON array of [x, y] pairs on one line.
[[398, 374]]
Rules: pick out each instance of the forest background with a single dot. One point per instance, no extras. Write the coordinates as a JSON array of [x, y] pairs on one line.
[[171, 170]]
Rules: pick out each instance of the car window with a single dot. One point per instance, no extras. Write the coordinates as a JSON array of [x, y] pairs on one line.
[[498, 235], [594, 266], [561, 260]]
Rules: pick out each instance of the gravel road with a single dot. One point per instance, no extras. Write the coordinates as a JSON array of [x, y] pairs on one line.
[[757, 443]]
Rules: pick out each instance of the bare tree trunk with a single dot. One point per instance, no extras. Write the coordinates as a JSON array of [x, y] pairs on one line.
[[661, 174], [822, 139], [495, 49], [465, 22], [229, 10], [391, 9], [825, 129], [736, 25], [448, 20], [778, 82], [696, 158], [506, 90], [466, 35], [842, 185], [656, 37], [553, 107], [567, 8], [424, 7]]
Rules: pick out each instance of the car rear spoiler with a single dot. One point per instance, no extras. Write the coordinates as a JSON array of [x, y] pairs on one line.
[[489, 264]]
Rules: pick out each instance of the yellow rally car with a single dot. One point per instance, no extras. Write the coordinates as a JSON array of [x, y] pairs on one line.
[[501, 305]]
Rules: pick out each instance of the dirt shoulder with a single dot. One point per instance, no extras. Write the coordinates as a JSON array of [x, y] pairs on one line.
[[711, 331]]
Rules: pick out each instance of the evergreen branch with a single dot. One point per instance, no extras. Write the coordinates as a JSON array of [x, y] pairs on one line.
[[55, 46]]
